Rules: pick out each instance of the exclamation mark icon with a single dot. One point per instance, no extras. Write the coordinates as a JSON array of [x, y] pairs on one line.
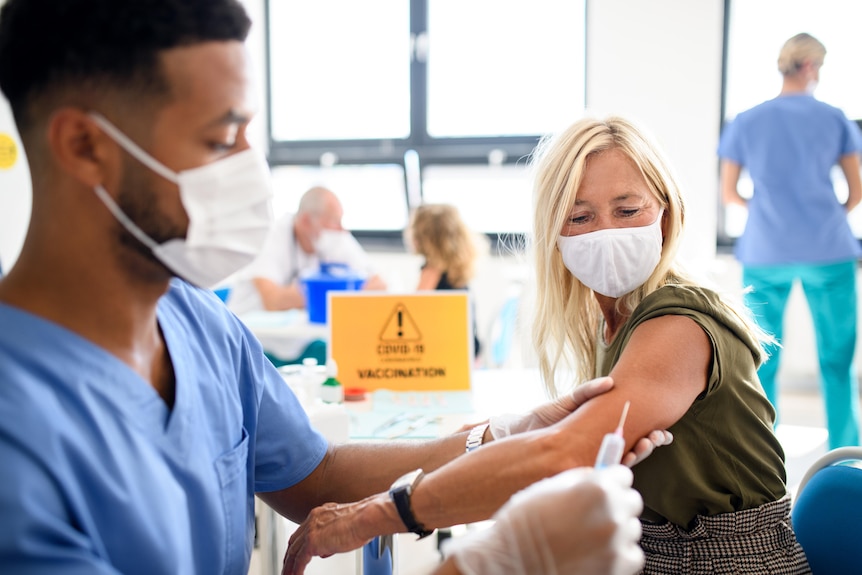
[[400, 330]]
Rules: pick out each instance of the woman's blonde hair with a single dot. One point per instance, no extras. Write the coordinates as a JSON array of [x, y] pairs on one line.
[[797, 50], [438, 233], [568, 317]]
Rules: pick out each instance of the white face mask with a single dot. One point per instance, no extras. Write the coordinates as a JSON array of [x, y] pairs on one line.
[[329, 244], [615, 261], [229, 205]]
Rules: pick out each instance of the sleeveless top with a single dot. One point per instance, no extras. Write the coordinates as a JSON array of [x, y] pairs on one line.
[[725, 456], [444, 284]]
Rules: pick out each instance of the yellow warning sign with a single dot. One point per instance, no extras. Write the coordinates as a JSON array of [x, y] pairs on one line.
[[400, 327], [8, 151], [406, 342]]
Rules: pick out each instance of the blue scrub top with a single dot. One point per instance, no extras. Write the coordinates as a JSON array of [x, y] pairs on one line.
[[98, 476], [789, 146]]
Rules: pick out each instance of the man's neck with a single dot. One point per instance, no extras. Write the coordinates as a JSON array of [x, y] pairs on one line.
[[90, 297]]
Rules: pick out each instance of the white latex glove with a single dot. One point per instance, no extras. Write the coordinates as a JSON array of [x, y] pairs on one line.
[[578, 522], [548, 413]]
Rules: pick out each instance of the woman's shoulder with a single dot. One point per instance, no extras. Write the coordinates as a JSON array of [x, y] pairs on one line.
[[707, 307], [695, 301], [686, 295]]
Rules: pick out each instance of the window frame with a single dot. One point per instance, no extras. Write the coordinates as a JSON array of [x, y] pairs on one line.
[[430, 150]]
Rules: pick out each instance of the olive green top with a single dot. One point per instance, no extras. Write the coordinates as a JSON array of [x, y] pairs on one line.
[[725, 456]]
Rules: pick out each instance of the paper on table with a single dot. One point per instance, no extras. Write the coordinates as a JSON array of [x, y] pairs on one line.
[[420, 408]]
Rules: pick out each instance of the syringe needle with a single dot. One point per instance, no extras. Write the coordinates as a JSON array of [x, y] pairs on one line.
[[624, 415]]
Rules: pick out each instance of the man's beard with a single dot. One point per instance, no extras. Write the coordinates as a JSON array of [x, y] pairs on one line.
[[138, 200]]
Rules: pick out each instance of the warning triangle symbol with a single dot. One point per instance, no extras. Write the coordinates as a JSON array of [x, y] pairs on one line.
[[400, 327]]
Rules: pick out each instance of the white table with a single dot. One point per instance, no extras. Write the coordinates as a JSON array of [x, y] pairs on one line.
[[284, 333]]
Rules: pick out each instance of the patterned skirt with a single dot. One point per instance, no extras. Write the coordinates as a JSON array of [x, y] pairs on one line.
[[757, 541]]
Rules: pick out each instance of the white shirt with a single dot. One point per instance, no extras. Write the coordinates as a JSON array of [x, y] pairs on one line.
[[283, 261]]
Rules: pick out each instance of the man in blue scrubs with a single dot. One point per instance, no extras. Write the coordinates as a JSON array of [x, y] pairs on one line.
[[797, 229], [138, 417]]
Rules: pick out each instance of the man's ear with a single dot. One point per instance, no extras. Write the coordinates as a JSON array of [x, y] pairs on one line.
[[81, 150]]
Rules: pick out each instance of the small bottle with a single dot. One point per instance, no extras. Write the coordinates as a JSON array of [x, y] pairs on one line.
[[331, 391], [310, 378]]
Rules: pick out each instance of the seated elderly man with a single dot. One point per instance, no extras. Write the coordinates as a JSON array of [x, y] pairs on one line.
[[296, 245]]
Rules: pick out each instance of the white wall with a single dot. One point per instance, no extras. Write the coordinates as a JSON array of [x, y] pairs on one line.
[[14, 194]]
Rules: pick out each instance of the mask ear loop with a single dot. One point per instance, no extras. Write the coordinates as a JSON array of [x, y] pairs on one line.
[[132, 148], [124, 219]]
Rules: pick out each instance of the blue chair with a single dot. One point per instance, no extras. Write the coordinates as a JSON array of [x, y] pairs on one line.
[[827, 512]]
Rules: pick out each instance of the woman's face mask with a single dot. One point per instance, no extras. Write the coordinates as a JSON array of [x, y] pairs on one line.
[[613, 261], [228, 203]]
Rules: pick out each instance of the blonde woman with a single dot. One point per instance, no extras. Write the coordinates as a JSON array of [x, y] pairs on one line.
[[612, 301], [438, 233]]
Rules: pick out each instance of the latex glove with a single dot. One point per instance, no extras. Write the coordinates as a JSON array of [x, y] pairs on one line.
[[548, 413], [580, 521]]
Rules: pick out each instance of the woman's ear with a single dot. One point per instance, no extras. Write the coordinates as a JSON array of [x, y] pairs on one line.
[[665, 222]]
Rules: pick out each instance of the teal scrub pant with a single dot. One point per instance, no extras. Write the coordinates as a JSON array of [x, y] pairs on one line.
[[830, 290]]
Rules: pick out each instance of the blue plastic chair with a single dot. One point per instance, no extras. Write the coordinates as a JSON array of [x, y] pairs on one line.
[[827, 513]]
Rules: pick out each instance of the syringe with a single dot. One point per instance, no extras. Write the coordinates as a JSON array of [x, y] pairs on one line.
[[611, 451]]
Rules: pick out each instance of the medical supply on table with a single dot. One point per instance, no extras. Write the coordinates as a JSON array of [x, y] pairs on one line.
[[313, 376], [330, 419], [614, 444], [331, 390], [330, 277]]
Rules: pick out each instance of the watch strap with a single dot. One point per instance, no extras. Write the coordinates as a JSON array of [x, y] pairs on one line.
[[400, 496], [475, 437]]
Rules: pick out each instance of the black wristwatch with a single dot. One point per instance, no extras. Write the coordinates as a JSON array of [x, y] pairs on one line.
[[400, 493]]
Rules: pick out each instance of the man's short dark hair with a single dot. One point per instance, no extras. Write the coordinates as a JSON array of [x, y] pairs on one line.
[[49, 46]]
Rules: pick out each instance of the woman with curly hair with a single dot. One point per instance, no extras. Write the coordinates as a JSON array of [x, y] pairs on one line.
[[438, 233]]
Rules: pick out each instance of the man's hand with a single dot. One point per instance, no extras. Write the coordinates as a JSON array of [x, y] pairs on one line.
[[580, 521], [549, 413], [338, 528]]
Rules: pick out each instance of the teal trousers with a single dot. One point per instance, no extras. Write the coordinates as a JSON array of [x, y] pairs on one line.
[[830, 290]]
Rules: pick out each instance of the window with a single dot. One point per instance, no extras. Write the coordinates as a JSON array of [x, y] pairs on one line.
[[755, 33], [353, 185], [449, 95], [480, 191], [338, 74], [496, 68]]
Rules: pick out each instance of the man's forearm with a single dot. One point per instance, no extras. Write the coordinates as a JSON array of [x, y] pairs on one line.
[[379, 464], [472, 488], [276, 297], [353, 471]]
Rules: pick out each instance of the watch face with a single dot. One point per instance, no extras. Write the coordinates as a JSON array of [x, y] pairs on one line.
[[408, 479]]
